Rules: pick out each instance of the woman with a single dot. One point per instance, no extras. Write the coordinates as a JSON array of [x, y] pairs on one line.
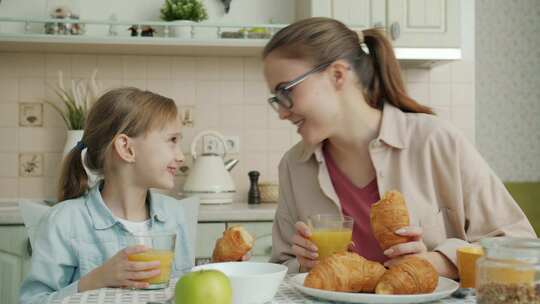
[[362, 136]]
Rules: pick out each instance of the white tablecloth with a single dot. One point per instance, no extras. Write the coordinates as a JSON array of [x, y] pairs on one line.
[[286, 294]]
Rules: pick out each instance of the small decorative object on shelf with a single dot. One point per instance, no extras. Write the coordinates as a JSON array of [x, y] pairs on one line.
[[144, 31], [252, 33], [64, 9], [184, 12]]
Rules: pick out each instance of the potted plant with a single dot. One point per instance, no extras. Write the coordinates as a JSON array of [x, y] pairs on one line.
[[185, 12], [73, 106]]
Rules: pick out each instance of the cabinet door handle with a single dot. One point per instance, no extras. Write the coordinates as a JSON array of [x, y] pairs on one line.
[[395, 31], [28, 247]]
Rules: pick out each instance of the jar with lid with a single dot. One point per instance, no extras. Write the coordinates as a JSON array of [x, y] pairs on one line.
[[509, 272]]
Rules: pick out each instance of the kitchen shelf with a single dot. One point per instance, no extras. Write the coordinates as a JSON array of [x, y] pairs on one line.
[[29, 40]]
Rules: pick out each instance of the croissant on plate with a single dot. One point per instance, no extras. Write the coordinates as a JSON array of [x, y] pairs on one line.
[[411, 275], [345, 271], [388, 215], [234, 244]]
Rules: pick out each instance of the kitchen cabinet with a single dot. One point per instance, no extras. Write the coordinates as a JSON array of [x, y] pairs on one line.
[[409, 23]]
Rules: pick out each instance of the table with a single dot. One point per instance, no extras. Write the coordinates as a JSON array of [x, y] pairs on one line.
[[286, 294]]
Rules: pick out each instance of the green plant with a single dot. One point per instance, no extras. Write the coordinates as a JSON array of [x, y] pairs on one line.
[[193, 10], [75, 103]]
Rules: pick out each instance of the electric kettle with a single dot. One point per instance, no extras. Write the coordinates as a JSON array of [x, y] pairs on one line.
[[209, 177]]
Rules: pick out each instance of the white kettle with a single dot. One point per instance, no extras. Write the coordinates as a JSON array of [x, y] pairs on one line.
[[209, 177]]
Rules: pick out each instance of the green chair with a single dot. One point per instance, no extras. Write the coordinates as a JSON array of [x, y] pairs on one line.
[[527, 195]]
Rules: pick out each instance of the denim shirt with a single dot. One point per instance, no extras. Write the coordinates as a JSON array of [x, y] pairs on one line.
[[80, 234]]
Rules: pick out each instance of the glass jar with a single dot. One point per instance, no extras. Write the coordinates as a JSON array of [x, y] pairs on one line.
[[509, 272]]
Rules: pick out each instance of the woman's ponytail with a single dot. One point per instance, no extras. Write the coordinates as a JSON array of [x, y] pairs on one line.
[[73, 178], [386, 83]]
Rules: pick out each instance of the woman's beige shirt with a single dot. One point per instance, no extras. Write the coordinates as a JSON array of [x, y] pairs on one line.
[[449, 189]]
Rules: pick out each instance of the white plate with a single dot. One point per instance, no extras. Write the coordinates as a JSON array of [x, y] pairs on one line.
[[445, 288]]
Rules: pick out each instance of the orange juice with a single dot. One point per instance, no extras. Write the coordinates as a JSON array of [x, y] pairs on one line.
[[330, 241], [466, 260], [165, 258]]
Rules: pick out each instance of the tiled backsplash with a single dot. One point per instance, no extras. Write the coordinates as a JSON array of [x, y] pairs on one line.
[[227, 94]]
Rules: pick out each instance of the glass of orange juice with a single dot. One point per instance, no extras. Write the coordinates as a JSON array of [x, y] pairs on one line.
[[161, 248], [331, 233], [466, 262]]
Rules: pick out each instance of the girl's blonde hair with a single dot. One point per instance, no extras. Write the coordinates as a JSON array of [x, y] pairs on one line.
[[128, 111], [319, 40]]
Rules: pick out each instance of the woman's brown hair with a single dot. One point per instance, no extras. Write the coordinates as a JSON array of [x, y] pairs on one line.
[[319, 40], [128, 111]]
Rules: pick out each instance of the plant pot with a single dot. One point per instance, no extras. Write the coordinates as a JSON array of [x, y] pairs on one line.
[[182, 29]]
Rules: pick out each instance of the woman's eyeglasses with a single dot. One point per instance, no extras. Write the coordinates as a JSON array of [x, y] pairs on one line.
[[282, 97]]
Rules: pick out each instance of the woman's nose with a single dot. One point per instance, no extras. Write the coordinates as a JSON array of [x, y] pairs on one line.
[[283, 113], [180, 156]]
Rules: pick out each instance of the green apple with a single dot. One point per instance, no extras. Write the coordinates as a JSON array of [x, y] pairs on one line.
[[203, 286]]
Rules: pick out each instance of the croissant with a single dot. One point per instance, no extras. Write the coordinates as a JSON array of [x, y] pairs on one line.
[[345, 271], [234, 244], [388, 215], [410, 276]]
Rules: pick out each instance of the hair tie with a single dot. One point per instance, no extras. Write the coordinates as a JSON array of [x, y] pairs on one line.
[[80, 145], [360, 35]]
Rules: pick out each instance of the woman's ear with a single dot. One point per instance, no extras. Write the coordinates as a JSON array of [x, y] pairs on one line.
[[123, 145], [340, 73]]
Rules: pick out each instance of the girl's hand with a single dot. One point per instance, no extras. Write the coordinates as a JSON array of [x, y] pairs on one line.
[[118, 271], [305, 251], [416, 247]]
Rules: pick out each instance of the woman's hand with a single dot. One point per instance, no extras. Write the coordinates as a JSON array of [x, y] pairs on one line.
[[118, 271], [416, 247], [305, 251]]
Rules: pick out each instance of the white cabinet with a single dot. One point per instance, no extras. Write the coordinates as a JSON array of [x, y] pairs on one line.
[[410, 23], [424, 23], [10, 277]]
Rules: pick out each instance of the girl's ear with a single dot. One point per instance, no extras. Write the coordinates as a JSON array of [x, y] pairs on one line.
[[123, 145], [340, 73]]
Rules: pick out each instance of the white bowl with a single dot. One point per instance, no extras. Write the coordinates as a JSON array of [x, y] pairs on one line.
[[252, 282]]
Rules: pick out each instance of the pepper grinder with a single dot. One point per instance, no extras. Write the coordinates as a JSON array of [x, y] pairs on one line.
[[254, 196]]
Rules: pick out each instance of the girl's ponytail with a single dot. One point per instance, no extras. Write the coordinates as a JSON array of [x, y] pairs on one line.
[[73, 178], [386, 82]]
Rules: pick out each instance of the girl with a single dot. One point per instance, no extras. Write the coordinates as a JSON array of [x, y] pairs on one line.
[[132, 140], [362, 136]]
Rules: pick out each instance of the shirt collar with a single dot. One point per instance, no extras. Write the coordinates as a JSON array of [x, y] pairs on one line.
[[393, 132], [102, 216]]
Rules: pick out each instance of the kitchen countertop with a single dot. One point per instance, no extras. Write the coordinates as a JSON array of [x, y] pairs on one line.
[[235, 212]]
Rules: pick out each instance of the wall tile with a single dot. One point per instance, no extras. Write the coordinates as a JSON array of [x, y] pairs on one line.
[[109, 67], [183, 92], [134, 67], [207, 116], [207, 68], [159, 67], [253, 69], [162, 87], [57, 62], [183, 68], [440, 94], [462, 71], [8, 68], [52, 164], [256, 161], [231, 68], [419, 92], [41, 139], [273, 165], [462, 94], [440, 73], [232, 92], [463, 117], [443, 112], [231, 116], [9, 114], [9, 139], [31, 89], [30, 65], [51, 118], [9, 165], [255, 92], [208, 92], [82, 66], [279, 140], [10, 90], [255, 117], [9, 187], [255, 141], [32, 187], [417, 75]]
